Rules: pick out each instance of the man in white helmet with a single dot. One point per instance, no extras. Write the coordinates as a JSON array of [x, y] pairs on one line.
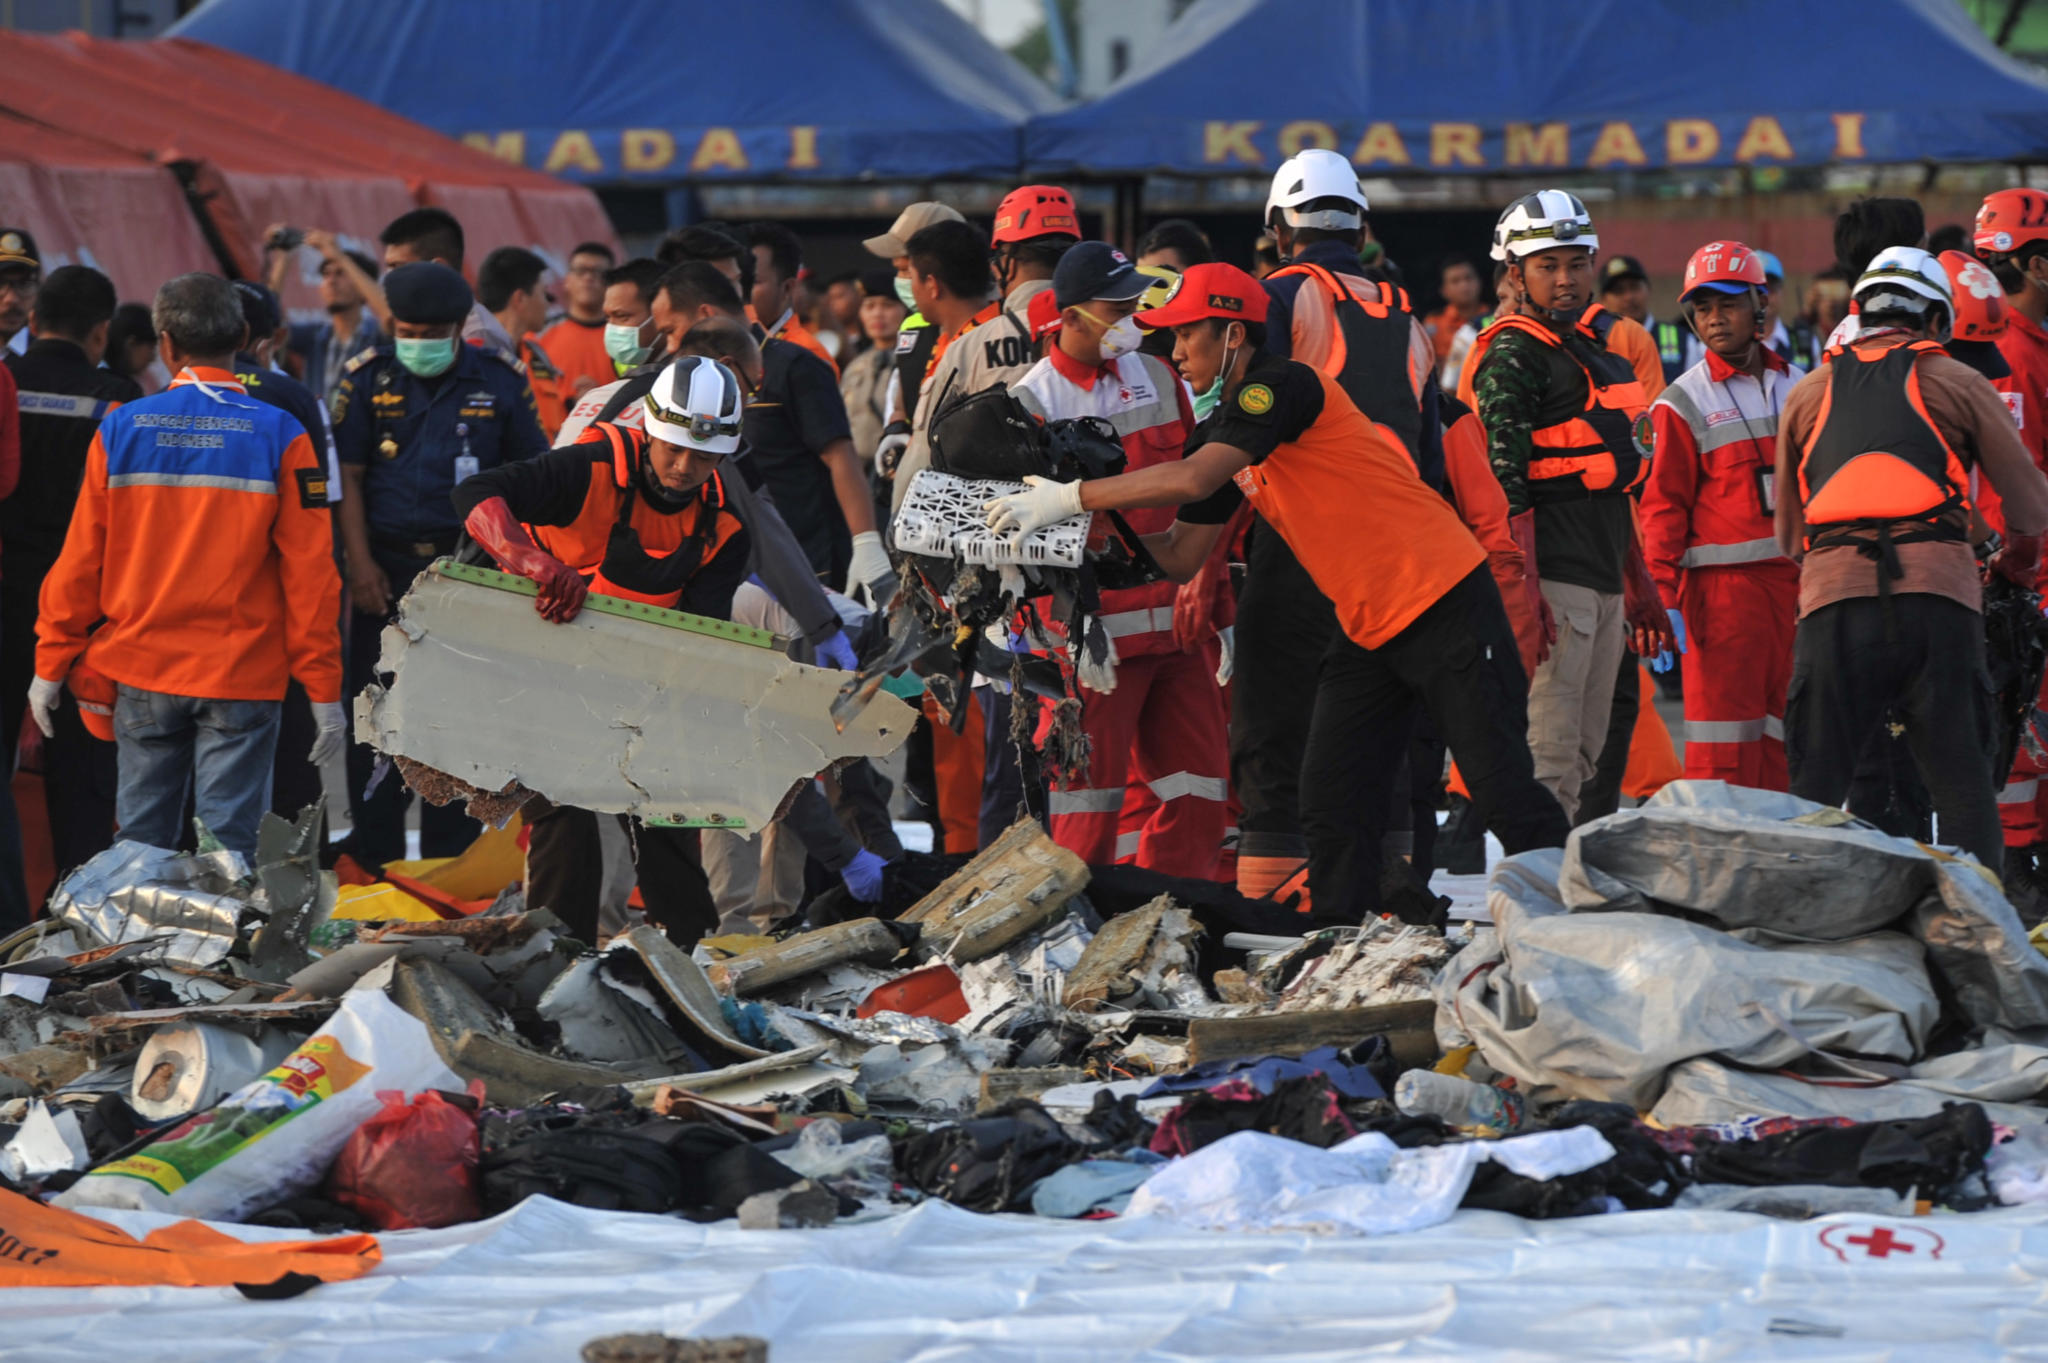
[[1561, 412], [1873, 483], [644, 513], [1322, 311]]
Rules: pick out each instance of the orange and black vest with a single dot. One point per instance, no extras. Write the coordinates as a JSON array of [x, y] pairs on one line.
[[1358, 332], [627, 546], [1875, 471], [1583, 447]]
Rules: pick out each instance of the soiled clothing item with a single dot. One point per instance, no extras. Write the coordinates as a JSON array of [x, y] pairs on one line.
[[1095, 1185], [1306, 1109], [1978, 426], [1931, 1154], [1264, 1075]]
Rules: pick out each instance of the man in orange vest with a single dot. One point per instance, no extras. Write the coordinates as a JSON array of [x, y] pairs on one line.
[[1362, 335], [576, 343], [1420, 620], [1562, 415], [1874, 472]]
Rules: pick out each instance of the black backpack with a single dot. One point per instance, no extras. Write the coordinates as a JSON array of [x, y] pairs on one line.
[[590, 1159], [989, 1163]]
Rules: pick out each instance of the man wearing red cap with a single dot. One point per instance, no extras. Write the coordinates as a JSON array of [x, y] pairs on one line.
[[1422, 621], [1153, 711]]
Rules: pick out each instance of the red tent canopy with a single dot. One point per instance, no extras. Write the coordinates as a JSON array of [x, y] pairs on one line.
[[258, 145], [88, 203]]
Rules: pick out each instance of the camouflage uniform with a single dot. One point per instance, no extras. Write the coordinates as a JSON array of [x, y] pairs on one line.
[[1580, 548]]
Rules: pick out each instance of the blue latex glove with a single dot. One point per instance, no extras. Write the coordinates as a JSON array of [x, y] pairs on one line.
[[1664, 662], [837, 651], [863, 876]]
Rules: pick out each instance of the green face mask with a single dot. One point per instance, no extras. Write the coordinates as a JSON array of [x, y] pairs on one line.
[[1205, 401], [904, 295], [428, 358]]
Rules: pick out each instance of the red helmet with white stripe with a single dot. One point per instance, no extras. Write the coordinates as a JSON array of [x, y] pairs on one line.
[[1725, 267], [1980, 298]]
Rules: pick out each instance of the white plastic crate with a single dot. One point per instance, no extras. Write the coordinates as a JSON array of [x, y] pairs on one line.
[[941, 516]]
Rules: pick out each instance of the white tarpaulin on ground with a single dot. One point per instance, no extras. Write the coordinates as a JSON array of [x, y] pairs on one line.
[[938, 1284]]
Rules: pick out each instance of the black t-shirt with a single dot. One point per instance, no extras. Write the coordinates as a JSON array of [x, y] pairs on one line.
[[1277, 403], [797, 413], [63, 395]]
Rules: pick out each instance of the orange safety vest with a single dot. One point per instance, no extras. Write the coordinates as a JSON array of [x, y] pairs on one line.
[[627, 547], [1358, 332], [1582, 450], [550, 389], [1875, 470]]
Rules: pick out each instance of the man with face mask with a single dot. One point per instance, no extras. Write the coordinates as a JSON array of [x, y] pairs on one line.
[[1420, 622], [1152, 709], [1561, 414], [413, 418]]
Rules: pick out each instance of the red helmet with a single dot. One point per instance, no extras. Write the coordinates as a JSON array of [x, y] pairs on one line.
[[94, 691], [2010, 219], [1724, 266], [1980, 298], [1032, 211]]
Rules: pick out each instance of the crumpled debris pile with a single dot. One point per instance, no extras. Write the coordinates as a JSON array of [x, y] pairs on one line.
[[1842, 1021]]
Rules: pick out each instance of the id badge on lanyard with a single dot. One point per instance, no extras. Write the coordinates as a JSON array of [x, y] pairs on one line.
[[465, 463], [1766, 488]]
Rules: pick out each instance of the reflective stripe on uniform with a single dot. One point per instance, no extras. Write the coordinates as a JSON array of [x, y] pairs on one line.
[[1730, 730], [63, 404], [1774, 727], [208, 480], [2019, 792], [1060, 802], [1185, 783], [1720, 555], [1122, 624], [1127, 844]]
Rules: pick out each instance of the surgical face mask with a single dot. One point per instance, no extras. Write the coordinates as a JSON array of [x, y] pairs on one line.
[[1120, 337], [904, 295], [1205, 401], [427, 358], [624, 345]]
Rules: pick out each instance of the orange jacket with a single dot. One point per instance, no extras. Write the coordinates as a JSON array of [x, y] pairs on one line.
[[202, 538], [577, 348], [792, 329], [550, 386]]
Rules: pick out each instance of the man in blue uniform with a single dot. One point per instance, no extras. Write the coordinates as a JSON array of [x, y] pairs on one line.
[[413, 418]]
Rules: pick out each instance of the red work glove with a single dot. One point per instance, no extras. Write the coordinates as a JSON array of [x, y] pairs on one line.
[[2019, 562], [562, 589], [1523, 529], [1649, 625], [1203, 604]]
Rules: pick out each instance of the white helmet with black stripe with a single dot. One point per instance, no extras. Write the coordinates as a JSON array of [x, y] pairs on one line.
[[695, 403], [1905, 279], [1312, 175], [1541, 221]]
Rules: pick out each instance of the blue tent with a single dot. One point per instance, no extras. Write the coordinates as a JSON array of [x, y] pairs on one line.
[[655, 91], [1487, 86]]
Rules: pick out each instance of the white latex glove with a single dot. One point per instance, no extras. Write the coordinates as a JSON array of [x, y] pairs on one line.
[[889, 453], [1098, 677], [43, 695], [332, 722], [1043, 502], [870, 568], [1226, 668]]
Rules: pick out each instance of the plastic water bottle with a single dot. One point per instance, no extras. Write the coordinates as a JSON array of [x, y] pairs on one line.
[[1460, 1102]]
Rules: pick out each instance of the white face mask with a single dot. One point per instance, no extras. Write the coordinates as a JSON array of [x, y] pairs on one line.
[[1120, 337]]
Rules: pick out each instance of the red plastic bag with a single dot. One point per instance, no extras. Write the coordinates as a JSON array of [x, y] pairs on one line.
[[413, 1164]]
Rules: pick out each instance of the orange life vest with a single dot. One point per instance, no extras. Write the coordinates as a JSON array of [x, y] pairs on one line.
[[1875, 470], [626, 546], [1589, 449], [1358, 332]]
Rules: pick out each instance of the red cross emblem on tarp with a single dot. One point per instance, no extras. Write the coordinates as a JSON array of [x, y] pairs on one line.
[[1855, 1244]]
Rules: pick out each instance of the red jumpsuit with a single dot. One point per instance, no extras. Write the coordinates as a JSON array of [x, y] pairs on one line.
[[2022, 808], [1713, 552], [1164, 727]]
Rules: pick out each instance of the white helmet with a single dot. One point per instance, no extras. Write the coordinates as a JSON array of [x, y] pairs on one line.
[[1904, 279], [695, 403], [1316, 174], [1540, 221]]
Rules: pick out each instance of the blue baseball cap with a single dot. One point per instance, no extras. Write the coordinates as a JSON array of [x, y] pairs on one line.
[[1772, 268], [1095, 269]]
